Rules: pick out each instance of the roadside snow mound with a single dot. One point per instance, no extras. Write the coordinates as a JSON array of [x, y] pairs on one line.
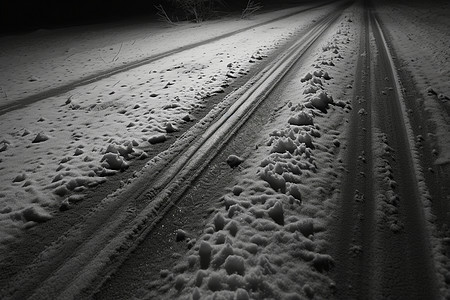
[[300, 119]]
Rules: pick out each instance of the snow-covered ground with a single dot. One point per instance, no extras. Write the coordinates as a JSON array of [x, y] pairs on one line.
[[53, 150], [269, 239], [50, 58], [425, 50]]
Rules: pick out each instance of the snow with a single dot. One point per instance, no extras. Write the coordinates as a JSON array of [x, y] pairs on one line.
[[276, 212], [114, 161], [68, 143], [47, 59], [157, 138], [181, 235], [268, 239], [35, 214], [300, 119], [425, 49], [234, 161]]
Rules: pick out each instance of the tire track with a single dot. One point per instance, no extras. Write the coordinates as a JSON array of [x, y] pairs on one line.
[[355, 227], [436, 176], [383, 243], [410, 272], [90, 251], [20, 103]]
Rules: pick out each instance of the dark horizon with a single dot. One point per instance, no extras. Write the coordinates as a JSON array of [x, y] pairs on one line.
[[18, 16]]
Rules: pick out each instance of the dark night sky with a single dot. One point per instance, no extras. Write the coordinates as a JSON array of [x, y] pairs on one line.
[[17, 15], [20, 15]]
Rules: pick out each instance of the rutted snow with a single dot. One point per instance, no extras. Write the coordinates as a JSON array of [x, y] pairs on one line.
[[425, 51], [387, 199], [47, 59], [53, 150], [268, 240]]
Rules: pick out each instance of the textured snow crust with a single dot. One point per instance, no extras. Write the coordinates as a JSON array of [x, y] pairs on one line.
[[268, 241], [53, 151]]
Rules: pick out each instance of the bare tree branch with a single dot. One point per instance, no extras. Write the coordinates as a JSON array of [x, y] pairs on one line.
[[251, 8]]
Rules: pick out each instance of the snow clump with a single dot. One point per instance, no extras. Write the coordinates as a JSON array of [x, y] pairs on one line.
[[321, 101], [301, 118], [40, 137], [36, 214], [157, 139], [266, 227], [233, 161], [114, 161]]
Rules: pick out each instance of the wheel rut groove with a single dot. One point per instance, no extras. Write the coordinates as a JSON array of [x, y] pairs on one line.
[[383, 248], [355, 227], [92, 250], [52, 92], [437, 177]]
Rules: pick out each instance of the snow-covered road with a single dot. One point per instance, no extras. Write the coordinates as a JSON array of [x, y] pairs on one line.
[[389, 240], [286, 157], [56, 149]]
